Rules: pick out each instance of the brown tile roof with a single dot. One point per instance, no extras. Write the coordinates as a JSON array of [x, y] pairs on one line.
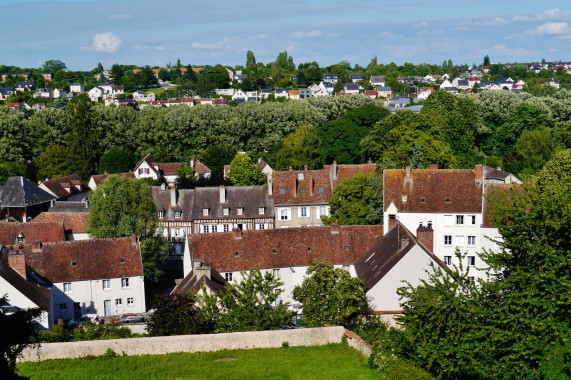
[[491, 173], [200, 168], [94, 259], [294, 92], [370, 92], [169, 168], [440, 190], [193, 282], [500, 191], [386, 253], [279, 248], [48, 232], [64, 186], [344, 171], [98, 179], [73, 221]]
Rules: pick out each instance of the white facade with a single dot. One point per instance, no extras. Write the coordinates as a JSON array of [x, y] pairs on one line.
[[122, 295], [16, 298], [144, 170], [76, 88]]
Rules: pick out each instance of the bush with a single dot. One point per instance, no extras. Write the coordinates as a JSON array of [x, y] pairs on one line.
[[56, 334], [91, 331], [175, 315]]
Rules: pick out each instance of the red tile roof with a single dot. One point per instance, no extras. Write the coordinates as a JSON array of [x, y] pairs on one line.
[[93, 259], [48, 232], [443, 190], [98, 179], [371, 92], [74, 221], [64, 186], [279, 248]]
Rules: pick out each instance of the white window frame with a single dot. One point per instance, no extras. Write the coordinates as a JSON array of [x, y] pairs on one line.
[[276, 273], [215, 228], [206, 229], [471, 260], [225, 211], [161, 214], [261, 210], [261, 226], [448, 260], [228, 276], [106, 284], [472, 220], [118, 302], [130, 301], [448, 220], [205, 212], [177, 214], [471, 241], [125, 283], [447, 240], [240, 211], [303, 212], [226, 228], [284, 214], [459, 220], [459, 240], [67, 287]]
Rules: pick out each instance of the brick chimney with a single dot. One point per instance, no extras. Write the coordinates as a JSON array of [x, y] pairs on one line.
[[237, 233], [36, 246], [479, 173], [201, 268], [17, 261], [392, 221], [334, 229], [408, 172], [311, 184], [334, 170], [425, 235], [294, 185], [222, 194], [173, 196], [434, 166]]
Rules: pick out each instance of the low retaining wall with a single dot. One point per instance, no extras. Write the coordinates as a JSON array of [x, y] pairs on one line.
[[186, 343], [355, 341]]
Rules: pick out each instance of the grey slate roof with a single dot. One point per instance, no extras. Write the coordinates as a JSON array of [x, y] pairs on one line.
[[356, 76], [351, 87], [20, 192], [69, 206], [192, 282]]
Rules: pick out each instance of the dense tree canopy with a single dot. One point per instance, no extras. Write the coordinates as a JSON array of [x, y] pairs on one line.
[[243, 172]]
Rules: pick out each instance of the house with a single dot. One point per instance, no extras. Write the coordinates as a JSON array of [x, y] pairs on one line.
[[111, 285], [22, 199], [294, 94], [206, 210], [398, 102], [74, 223], [327, 86], [287, 253], [446, 84], [76, 88], [5, 92], [451, 90], [70, 187], [224, 91], [43, 93], [70, 206], [301, 197], [265, 92], [47, 76], [473, 80], [25, 86], [506, 83], [200, 274], [239, 77], [451, 201], [429, 79], [22, 294], [461, 84], [95, 93], [356, 77], [377, 81], [318, 90], [351, 88], [371, 93], [331, 78], [59, 93], [385, 91], [553, 82], [97, 180], [397, 257], [150, 168], [214, 102], [186, 101], [38, 106], [293, 78], [305, 93], [424, 93], [239, 94], [281, 93]]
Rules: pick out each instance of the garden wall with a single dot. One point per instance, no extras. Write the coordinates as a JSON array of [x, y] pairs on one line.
[[187, 343]]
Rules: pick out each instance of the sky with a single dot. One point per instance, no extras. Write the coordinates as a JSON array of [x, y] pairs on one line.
[[82, 33]]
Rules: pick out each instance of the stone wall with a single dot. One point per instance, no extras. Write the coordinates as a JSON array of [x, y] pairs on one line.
[[187, 343]]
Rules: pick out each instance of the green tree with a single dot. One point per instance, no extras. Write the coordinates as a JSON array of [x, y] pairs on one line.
[[330, 295], [175, 315], [216, 156], [354, 200], [253, 304], [17, 330], [116, 160], [53, 163], [83, 139], [186, 176], [532, 150], [251, 62], [13, 140], [244, 172], [486, 60], [117, 73], [299, 148], [52, 66], [122, 207]]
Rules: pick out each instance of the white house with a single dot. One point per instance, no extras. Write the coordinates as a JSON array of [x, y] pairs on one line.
[[281, 93], [95, 93], [59, 93], [239, 94], [148, 167], [377, 81], [111, 284], [317, 90], [76, 88], [450, 201]]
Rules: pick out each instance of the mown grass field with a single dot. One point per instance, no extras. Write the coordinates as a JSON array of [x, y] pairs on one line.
[[333, 361]]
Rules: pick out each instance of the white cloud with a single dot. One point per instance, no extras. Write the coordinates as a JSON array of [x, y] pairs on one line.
[[495, 22], [120, 16], [314, 33], [514, 51], [550, 14], [105, 42], [550, 28], [423, 24]]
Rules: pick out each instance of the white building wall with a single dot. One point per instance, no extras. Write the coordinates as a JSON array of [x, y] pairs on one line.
[[145, 167], [16, 298], [91, 296]]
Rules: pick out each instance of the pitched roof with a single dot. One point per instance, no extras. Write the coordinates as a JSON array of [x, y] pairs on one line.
[[64, 186], [377, 79], [280, 248], [93, 259], [386, 253], [74, 221], [193, 281], [38, 294], [98, 179], [69, 206], [20, 192], [44, 231], [441, 190], [345, 171]]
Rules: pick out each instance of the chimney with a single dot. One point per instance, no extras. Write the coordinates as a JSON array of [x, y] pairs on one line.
[[174, 196], [294, 185], [290, 169], [408, 172], [201, 268], [17, 261], [237, 233], [403, 241], [434, 166], [192, 163], [86, 201], [222, 194], [369, 161], [163, 186], [305, 167], [334, 170], [478, 173], [311, 184], [334, 229], [499, 168], [392, 221], [425, 235], [36, 246]]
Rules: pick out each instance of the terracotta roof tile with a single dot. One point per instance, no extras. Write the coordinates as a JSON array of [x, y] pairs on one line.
[[48, 232], [74, 221], [98, 179], [93, 259], [281, 248], [65, 186]]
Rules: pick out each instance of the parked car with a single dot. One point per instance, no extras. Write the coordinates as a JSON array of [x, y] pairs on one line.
[[85, 318], [130, 318]]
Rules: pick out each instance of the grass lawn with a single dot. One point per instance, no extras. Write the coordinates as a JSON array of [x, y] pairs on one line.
[[333, 361]]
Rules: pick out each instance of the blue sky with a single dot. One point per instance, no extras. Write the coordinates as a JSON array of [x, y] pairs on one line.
[[82, 33]]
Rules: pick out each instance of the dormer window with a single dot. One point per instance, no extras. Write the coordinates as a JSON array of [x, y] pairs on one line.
[[161, 214], [240, 210], [226, 211], [177, 214], [20, 237], [205, 212], [300, 176], [282, 191], [404, 199], [261, 210]]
